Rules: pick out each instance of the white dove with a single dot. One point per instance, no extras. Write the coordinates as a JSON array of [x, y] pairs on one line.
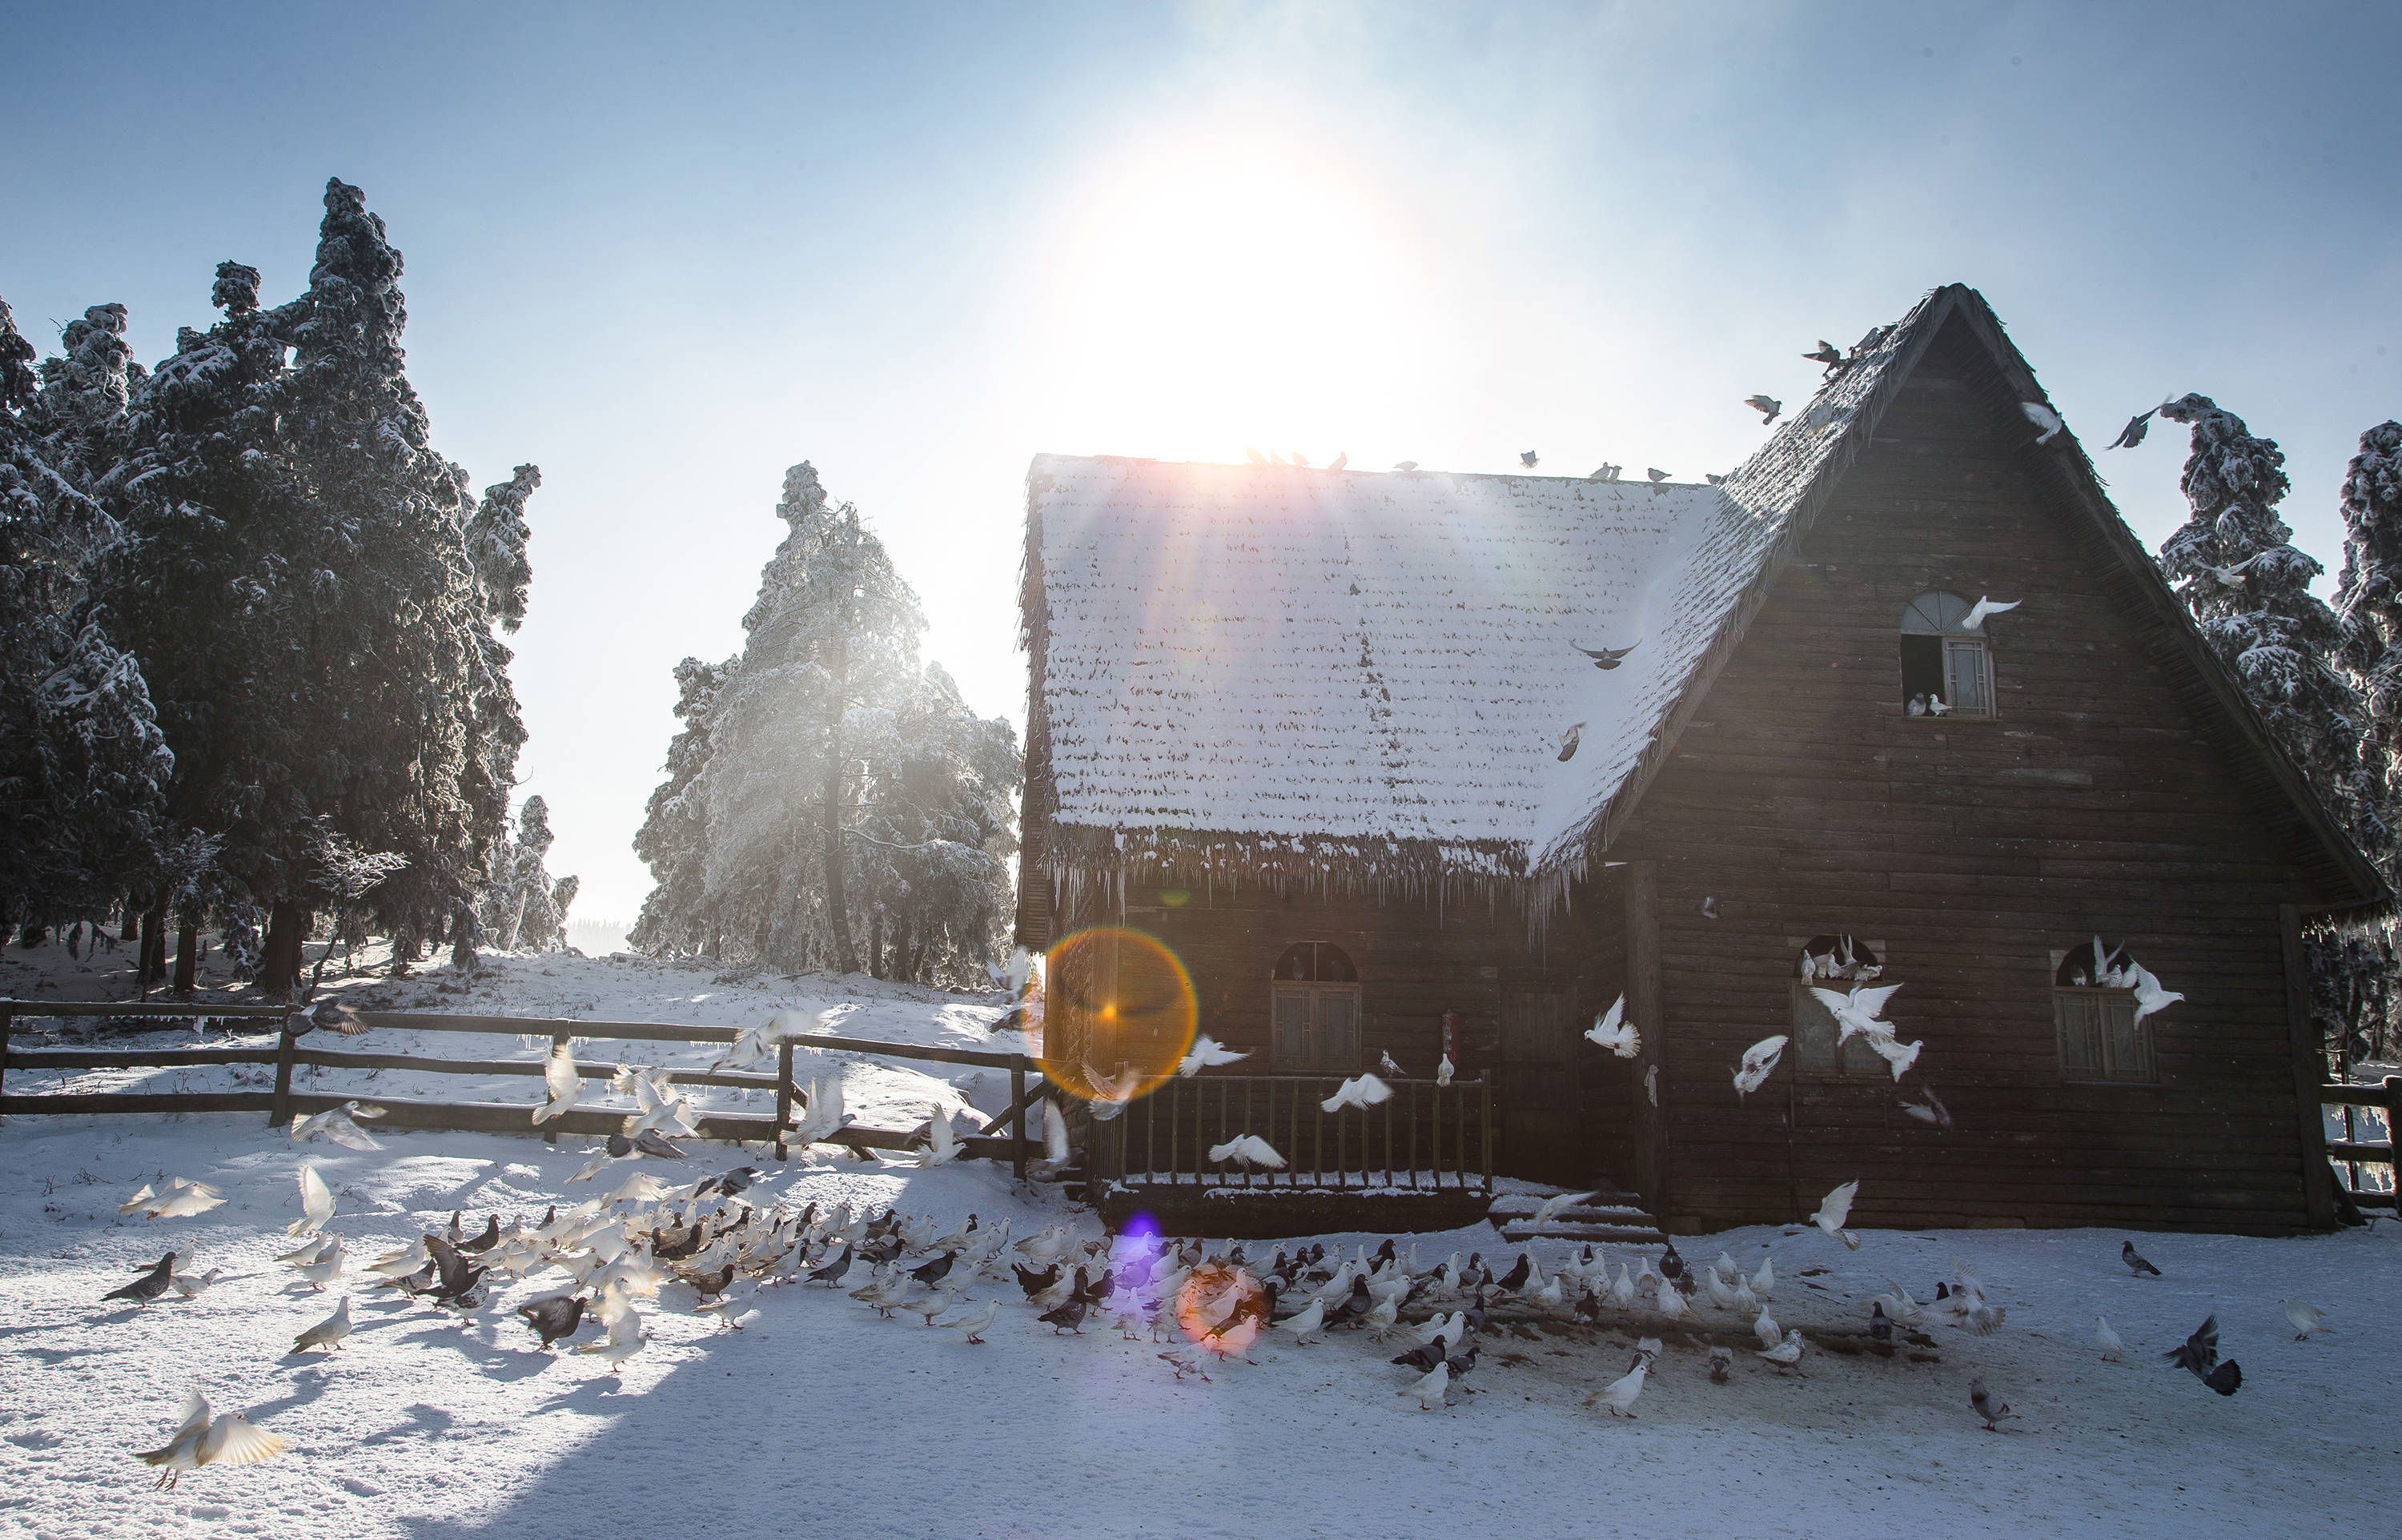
[[971, 1324], [1763, 1283], [334, 1123], [1764, 1327], [1618, 1396], [2044, 418], [325, 1267], [1207, 1053], [942, 1141], [1787, 1354], [199, 1439], [1247, 1150], [1303, 1324], [1443, 1071], [1549, 1209], [141, 1196], [1054, 1132], [1856, 1012], [661, 1110], [625, 1338], [2114, 1349], [1759, 1062], [1721, 1297], [192, 1287], [1362, 1091], [2150, 996], [1975, 619], [328, 1332], [1621, 1289], [316, 1204], [1670, 1302], [1612, 1031], [187, 1198], [2305, 1318], [559, 1079], [1833, 1209], [1899, 1056], [1432, 1390]]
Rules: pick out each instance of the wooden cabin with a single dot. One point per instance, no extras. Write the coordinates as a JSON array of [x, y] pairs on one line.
[[1336, 740]]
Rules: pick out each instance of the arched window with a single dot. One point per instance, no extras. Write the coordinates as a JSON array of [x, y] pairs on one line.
[[1314, 1007], [1946, 669], [2093, 1014]]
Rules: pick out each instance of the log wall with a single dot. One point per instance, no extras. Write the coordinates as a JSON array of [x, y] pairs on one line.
[[1806, 801]]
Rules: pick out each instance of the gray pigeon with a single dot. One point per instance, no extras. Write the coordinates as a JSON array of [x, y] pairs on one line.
[[150, 1284], [2134, 1260], [2132, 434], [1526, 458], [1605, 658], [1986, 1407], [554, 1315]]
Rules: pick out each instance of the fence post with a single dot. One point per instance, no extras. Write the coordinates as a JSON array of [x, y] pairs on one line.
[[1485, 1116], [281, 1112], [783, 1095], [1017, 1126], [557, 1042], [7, 1024]]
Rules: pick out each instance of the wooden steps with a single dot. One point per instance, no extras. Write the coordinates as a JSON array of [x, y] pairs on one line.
[[1608, 1215]]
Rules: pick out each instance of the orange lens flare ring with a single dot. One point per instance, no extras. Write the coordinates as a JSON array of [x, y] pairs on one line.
[[1118, 1014], [1223, 1309]]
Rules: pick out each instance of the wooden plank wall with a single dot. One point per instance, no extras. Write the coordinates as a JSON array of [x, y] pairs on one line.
[[1806, 801]]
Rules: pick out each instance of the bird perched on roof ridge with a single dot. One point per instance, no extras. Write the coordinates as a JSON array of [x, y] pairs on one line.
[[1613, 1031], [1606, 658], [1827, 354], [1656, 474], [1569, 739], [1361, 1091], [1298, 459], [1340, 461], [1527, 458], [1254, 456], [1714, 478], [199, 1439], [1406, 465], [1766, 406], [2044, 418]]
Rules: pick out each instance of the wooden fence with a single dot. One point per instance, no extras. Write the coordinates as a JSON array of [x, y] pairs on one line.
[[282, 1102], [2354, 1151], [1425, 1137]]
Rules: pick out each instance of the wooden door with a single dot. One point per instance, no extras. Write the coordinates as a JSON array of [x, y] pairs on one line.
[[1540, 1137]]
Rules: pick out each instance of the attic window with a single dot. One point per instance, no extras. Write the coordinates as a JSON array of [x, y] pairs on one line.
[[1946, 669], [1314, 1011]]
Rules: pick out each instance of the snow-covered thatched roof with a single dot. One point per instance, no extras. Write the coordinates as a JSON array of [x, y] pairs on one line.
[[1249, 668]]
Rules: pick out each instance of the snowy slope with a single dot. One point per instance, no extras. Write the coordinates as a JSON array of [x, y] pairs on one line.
[[822, 1418]]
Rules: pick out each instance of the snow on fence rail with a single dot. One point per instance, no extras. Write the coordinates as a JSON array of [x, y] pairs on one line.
[[2355, 1152], [490, 1116]]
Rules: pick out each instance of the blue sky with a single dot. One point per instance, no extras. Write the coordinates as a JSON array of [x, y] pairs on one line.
[[666, 252]]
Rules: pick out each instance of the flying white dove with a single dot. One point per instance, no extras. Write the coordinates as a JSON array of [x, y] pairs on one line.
[[559, 1079], [625, 1338], [199, 1439], [2150, 996], [1836, 1207], [1928, 1108], [316, 1204], [1613, 1031], [1550, 1208], [185, 1199], [942, 1142], [141, 1195], [1766, 406], [821, 1113], [2044, 418], [1856, 1012], [1362, 1091], [2113, 1349], [1982, 609], [1759, 1062], [1897, 1055], [1054, 1132], [1207, 1053], [334, 1123], [1247, 1150]]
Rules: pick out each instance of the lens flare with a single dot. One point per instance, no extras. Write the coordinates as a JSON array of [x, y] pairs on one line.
[[1221, 1308], [1118, 1014]]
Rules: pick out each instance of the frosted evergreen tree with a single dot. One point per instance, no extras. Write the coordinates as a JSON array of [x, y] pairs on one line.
[[674, 837], [524, 909], [2249, 588], [83, 765], [2368, 600], [833, 643]]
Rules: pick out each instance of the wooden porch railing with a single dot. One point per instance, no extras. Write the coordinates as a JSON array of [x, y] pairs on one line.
[[489, 1117], [2354, 1151], [1425, 1137]]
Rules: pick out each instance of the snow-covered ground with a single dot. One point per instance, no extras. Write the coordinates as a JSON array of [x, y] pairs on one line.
[[837, 1421]]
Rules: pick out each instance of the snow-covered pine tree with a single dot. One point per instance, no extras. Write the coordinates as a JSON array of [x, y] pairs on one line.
[[674, 840], [935, 832], [523, 909], [832, 642], [2368, 600], [2248, 587], [83, 765]]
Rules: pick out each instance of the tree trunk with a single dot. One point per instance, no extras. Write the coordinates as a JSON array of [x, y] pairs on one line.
[[845, 953], [875, 942], [279, 965], [187, 960], [154, 945], [462, 940]]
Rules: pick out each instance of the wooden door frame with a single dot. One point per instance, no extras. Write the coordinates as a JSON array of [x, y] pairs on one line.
[[1646, 1011]]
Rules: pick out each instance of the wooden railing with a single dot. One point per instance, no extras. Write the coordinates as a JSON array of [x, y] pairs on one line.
[[490, 1116], [1425, 1137], [2354, 1152]]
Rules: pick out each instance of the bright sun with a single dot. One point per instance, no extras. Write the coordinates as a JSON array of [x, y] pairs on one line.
[[1210, 292]]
